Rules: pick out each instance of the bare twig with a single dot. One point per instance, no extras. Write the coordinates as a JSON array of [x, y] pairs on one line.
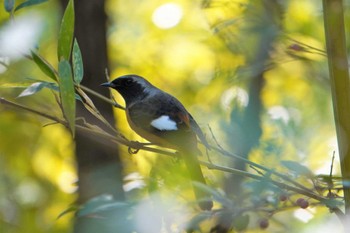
[[86, 128], [120, 139], [92, 92], [222, 151], [266, 178]]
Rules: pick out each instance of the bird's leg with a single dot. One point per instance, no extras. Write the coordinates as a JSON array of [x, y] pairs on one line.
[[136, 146], [132, 151]]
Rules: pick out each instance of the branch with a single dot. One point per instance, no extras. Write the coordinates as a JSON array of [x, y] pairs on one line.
[[222, 151], [140, 146], [340, 85], [98, 95], [281, 185], [119, 138]]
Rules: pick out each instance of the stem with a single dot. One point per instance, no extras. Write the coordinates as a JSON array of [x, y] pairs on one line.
[[121, 140], [255, 165], [258, 177], [92, 92], [340, 86]]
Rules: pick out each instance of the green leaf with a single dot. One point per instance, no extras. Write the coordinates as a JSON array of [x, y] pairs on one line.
[[67, 93], [43, 84], [48, 85], [31, 90], [29, 3], [297, 168], [89, 105], [101, 203], [44, 66], [65, 36], [69, 210], [9, 4], [88, 210], [78, 67]]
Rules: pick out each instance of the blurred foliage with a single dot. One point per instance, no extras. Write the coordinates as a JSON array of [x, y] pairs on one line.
[[203, 56]]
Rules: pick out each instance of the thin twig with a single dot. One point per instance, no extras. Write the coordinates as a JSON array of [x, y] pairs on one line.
[[92, 92], [12, 104], [4, 64], [331, 185], [257, 171], [116, 139], [140, 146], [319, 51], [222, 151], [264, 178]]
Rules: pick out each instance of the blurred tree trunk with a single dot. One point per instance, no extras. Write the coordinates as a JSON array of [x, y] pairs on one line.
[[249, 128], [98, 163], [247, 123]]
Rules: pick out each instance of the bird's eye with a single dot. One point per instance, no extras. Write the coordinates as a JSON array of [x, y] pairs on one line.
[[128, 82]]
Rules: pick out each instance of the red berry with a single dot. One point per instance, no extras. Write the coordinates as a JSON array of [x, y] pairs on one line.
[[300, 200], [283, 197], [296, 47], [264, 223], [302, 203]]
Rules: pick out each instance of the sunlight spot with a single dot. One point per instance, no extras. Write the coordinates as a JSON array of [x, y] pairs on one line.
[[304, 215], [19, 37], [133, 181], [29, 192], [279, 113], [66, 182], [4, 62], [167, 15], [236, 94], [333, 149], [328, 224], [151, 213]]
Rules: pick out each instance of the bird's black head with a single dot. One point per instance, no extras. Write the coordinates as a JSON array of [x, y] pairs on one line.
[[131, 87]]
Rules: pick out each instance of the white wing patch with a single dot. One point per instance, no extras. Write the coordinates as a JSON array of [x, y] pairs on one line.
[[164, 123]]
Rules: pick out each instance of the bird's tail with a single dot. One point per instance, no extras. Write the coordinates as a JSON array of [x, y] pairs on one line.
[[191, 161]]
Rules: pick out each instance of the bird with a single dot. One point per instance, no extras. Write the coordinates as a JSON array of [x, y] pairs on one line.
[[162, 120]]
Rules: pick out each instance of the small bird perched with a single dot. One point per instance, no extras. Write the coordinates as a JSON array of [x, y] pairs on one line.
[[162, 120]]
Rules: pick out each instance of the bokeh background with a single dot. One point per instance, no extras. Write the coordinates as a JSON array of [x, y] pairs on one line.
[[254, 71]]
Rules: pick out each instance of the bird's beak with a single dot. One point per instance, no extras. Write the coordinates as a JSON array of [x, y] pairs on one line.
[[107, 84]]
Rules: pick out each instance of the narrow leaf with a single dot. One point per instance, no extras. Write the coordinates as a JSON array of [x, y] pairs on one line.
[[44, 66], [65, 36], [78, 68], [67, 94], [9, 4], [89, 105], [68, 210], [101, 203], [29, 3], [32, 89], [87, 210], [55, 87]]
